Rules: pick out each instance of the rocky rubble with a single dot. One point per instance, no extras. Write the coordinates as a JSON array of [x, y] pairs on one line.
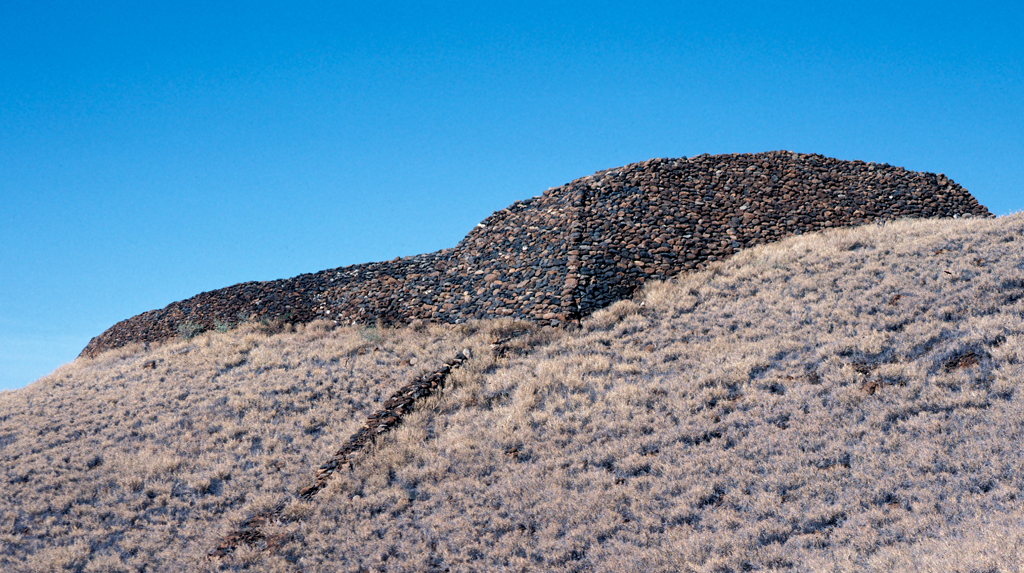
[[579, 247]]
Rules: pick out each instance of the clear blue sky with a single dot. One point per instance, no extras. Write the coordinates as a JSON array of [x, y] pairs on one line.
[[150, 151]]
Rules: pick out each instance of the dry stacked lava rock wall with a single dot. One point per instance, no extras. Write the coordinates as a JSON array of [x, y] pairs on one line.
[[582, 246], [664, 216]]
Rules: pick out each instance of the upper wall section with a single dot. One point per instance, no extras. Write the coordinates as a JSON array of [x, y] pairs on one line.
[[582, 246], [660, 217]]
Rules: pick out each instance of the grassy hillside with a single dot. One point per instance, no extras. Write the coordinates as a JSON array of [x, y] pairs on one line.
[[839, 401]]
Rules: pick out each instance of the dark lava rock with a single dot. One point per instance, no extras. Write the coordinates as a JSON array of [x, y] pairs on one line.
[[582, 246]]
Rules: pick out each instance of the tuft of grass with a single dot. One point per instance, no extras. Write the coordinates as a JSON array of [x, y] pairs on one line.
[[189, 330], [275, 325], [371, 334]]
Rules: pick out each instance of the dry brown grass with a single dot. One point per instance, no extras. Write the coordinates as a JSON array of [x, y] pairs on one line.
[[836, 402]]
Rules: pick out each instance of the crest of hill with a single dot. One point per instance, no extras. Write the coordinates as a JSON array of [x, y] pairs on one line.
[[582, 246], [841, 401]]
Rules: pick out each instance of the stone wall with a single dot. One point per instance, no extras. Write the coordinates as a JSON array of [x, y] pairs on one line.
[[582, 246]]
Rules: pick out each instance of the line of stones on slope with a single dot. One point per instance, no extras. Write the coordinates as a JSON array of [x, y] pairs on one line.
[[581, 246], [391, 413]]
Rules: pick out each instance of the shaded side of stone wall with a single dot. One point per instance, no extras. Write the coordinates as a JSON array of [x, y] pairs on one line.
[[514, 263], [581, 246]]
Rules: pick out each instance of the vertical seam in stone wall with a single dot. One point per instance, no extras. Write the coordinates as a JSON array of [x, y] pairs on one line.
[[576, 236]]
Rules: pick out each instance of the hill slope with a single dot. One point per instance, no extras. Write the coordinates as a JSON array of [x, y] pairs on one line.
[[582, 246], [839, 401]]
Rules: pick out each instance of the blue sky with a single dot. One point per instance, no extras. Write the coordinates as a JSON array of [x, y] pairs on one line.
[[151, 151]]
